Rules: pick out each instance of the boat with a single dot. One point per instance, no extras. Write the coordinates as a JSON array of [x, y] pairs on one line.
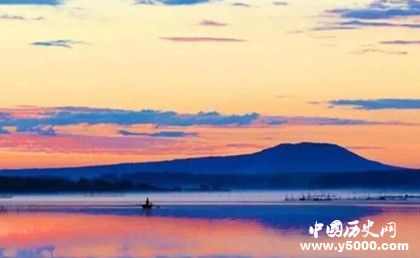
[[147, 205]]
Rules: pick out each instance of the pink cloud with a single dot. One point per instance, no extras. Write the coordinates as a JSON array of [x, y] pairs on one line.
[[201, 39], [212, 23]]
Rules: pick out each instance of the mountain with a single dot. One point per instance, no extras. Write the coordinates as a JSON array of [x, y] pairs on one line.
[[302, 157], [286, 166], [284, 158]]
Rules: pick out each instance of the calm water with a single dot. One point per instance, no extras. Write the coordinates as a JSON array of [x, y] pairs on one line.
[[241, 224]]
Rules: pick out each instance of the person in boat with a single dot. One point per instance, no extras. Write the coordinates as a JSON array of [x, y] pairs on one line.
[[148, 204]]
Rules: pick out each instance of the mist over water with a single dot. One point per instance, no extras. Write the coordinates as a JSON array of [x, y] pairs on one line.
[[229, 224]]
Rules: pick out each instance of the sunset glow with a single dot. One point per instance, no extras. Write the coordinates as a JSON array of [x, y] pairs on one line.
[[100, 82]]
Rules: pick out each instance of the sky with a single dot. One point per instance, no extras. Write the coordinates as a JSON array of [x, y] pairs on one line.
[[87, 82]]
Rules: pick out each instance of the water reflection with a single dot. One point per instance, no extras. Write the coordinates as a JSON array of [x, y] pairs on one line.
[[53, 234]]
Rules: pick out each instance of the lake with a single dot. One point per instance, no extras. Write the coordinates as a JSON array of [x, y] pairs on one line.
[[229, 224]]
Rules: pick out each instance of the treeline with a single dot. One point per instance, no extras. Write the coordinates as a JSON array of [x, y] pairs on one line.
[[51, 185], [385, 180], [381, 180]]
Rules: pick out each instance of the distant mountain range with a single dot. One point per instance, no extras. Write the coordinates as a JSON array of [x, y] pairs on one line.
[[302, 157], [284, 158], [301, 166]]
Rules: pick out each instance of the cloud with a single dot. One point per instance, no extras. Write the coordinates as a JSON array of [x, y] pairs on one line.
[[241, 4], [295, 31], [172, 2], [280, 3], [244, 145], [201, 39], [44, 124], [38, 130], [30, 2], [20, 17], [362, 147], [356, 18], [3, 131], [380, 51], [400, 42], [381, 9], [51, 121], [333, 27], [377, 104], [212, 23], [358, 24], [162, 134], [274, 120], [65, 43], [308, 120], [42, 251], [11, 17], [4, 116]]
